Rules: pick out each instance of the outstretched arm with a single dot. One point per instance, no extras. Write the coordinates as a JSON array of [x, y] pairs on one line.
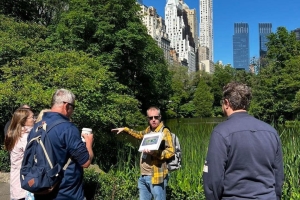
[[134, 133], [117, 130]]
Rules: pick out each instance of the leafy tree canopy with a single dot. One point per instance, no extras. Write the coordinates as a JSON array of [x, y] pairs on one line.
[[102, 102], [113, 31], [276, 86]]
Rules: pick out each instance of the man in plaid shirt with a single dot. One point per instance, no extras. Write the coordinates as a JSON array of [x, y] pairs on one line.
[[153, 164]]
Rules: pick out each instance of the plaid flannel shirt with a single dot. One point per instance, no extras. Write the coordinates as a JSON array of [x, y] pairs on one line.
[[159, 157]]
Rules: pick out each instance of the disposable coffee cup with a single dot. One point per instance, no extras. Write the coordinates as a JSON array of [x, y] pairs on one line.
[[85, 131]]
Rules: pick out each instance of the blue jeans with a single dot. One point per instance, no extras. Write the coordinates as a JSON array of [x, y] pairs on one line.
[[147, 190]]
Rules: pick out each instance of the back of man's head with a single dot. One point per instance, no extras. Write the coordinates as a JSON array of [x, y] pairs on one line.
[[238, 95], [62, 96]]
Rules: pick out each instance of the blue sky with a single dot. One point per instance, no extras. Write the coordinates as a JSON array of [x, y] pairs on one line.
[[225, 13]]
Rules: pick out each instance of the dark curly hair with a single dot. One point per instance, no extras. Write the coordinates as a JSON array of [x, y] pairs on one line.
[[238, 95]]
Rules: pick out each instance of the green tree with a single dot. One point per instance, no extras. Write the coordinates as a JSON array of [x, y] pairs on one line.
[[101, 101], [275, 87], [203, 100], [37, 11], [19, 39], [221, 76], [113, 31], [282, 46]]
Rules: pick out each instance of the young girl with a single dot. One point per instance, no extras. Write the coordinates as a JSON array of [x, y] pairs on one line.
[[15, 142]]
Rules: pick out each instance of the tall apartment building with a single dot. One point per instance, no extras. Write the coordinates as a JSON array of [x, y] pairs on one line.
[[264, 30], [241, 52], [178, 27], [206, 47], [156, 28]]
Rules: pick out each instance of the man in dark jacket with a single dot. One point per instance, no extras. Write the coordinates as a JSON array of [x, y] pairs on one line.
[[66, 140], [244, 159]]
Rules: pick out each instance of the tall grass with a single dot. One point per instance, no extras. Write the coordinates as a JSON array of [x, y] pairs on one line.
[[291, 157], [194, 135]]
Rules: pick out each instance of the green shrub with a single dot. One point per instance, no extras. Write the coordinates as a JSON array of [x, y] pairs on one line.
[[4, 160], [90, 183]]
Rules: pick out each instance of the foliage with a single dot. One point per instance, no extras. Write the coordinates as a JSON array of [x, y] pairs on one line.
[[276, 85], [101, 103], [121, 42], [19, 39], [37, 11], [203, 100], [186, 183], [282, 46], [221, 76], [290, 140], [91, 181], [183, 89], [4, 160], [100, 99], [117, 185], [188, 109], [296, 105]]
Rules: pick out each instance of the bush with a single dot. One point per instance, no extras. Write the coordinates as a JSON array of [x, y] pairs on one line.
[[90, 183], [4, 160]]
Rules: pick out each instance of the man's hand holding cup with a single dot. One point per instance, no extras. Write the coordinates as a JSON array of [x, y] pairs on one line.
[[87, 135]]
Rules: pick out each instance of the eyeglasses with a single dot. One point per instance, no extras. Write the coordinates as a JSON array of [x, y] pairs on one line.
[[32, 117], [70, 104], [151, 117]]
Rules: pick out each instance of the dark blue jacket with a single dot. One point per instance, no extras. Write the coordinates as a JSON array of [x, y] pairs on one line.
[[244, 160], [66, 140]]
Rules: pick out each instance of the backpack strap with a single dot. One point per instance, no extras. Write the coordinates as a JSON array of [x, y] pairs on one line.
[[163, 127], [55, 123]]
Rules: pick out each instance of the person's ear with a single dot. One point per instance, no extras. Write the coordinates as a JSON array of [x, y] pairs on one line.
[[226, 103]]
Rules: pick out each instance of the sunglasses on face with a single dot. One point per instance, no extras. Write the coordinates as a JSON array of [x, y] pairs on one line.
[[73, 106], [151, 117]]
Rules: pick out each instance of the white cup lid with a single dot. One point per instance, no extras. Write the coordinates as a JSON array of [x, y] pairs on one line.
[[86, 130]]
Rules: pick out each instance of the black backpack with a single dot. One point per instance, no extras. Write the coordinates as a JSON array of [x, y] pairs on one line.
[[40, 173]]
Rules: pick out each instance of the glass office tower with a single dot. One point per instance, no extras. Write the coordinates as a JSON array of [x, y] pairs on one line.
[[264, 30], [241, 58]]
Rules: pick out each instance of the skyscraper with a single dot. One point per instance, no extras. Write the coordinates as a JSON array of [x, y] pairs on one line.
[[241, 58], [156, 27], [179, 32], [264, 30], [206, 26]]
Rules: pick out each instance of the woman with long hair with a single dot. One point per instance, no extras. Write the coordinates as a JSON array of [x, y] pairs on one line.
[[15, 142]]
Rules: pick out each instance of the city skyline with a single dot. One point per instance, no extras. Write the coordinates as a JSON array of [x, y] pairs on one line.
[[226, 13]]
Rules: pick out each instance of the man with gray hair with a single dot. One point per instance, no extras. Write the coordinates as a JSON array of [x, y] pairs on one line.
[[66, 140], [244, 158]]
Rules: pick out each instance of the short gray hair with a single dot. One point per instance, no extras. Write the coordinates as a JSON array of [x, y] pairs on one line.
[[238, 95], [153, 108], [61, 96]]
